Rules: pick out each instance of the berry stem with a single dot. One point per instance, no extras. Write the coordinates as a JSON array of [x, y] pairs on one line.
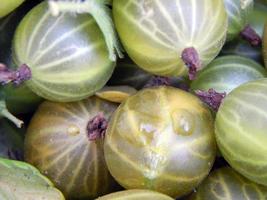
[[96, 127], [16, 77], [250, 35], [211, 98], [191, 59], [5, 113], [102, 14]]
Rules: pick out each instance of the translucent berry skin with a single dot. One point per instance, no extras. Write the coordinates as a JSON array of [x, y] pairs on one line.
[[238, 13], [160, 139], [155, 33], [57, 143], [135, 194], [227, 184], [67, 54], [228, 72], [240, 129], [8, 6]]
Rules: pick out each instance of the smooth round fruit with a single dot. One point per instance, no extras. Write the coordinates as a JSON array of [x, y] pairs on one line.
[[226, 184], [258, 18], [21, 181], [240, 129], [11, 141], [155, 33], [238, 12], [8, 6], [135, 195], [57, 143], [160, 139], [228, 72], [67, 54], [21, 100]]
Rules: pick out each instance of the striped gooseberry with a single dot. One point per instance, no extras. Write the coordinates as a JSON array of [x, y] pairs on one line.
[[225, 183], [228, 72], [238, 12], [135, 194], [240, 129], [19, 180], [8, 6], [67, 56], [64, 141], [161, 139], [164, 37]]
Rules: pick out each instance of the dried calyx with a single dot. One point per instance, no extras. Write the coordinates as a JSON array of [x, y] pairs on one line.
[[191, 59], [250, 35], [211, 98], [16, 77], [156, 81], [96, 127], [100, 11]]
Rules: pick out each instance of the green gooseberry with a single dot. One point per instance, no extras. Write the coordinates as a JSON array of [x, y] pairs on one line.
[[19, 180], [164, 37], [128, 73], [238, 12], [65, 142], [258, 18], [67, 55], [226, 184], [8, 6], [240, 129], [11, 141], [161, 139], [226, 73], [135, 194]]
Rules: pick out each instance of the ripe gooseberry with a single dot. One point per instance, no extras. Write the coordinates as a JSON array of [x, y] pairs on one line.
[[135, 194], [66, 55], [8, 6], [225, 183], [164, 137], [240, 129], [64, 141], [228, 72], [19, 180], [163, 37]]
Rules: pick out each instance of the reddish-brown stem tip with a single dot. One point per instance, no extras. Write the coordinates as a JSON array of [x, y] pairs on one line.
[[211, 98], [191, 59], [158, 81], [96, 127], [17, 77], [250, 35]]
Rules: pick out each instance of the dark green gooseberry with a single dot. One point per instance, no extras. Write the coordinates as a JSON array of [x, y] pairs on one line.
[[164, 37], [21, 181], [135, 194], [256, 20], [8, 6], [238, 12], [67, 55], [265, 46], [11, 141], [240, 129], [226, 73], [128, 73], [226, 184], [161, 139], [64, 141]]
